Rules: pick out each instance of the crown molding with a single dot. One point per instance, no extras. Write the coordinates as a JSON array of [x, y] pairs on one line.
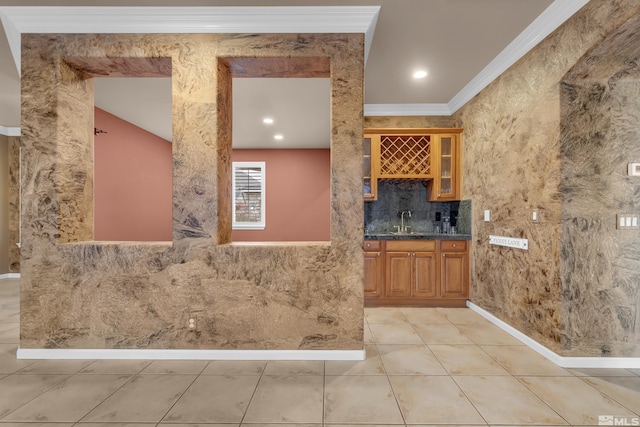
[[19, 20], [371, 110], [9, 131], [547, 22]]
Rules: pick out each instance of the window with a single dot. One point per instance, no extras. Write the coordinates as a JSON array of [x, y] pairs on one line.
[[248, 207]]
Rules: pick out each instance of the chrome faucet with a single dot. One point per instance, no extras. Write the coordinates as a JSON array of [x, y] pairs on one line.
[[403, 228]]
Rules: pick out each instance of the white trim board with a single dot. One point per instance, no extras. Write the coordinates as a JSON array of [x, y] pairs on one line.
[[9, 131], [18, 20], [42, 19], [565, 362], [10, 276], [176, 354]]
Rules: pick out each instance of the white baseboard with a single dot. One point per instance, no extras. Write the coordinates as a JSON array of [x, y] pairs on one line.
[[176, 354], [10, 276], [565, 362]]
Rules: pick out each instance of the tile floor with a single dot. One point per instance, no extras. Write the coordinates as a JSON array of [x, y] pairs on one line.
[[423, 367]]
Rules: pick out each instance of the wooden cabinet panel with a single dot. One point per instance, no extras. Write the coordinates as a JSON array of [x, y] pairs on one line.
[[425, 284], [446, 182], [454, 280], [373, 275], [398, 277], [416, 272]]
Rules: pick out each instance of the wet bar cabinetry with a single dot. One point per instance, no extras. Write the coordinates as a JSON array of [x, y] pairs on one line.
[[430, 154], [373, 269], [446, 181], [416, 273]]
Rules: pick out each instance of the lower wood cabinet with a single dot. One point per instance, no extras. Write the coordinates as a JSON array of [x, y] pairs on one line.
[[373, 269], [416, 273]]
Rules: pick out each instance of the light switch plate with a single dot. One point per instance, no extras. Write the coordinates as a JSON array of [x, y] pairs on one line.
[[627, 222], [487, 215]]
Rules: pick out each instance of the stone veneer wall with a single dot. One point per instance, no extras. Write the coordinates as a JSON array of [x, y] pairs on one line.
[[523, 151], [76, 293], [14, 204]]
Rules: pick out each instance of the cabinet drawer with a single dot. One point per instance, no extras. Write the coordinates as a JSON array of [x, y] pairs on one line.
[[411, 245], [453, 245], [372, 245]]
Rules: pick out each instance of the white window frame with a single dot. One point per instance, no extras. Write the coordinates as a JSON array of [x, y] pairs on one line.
[[246, 225]]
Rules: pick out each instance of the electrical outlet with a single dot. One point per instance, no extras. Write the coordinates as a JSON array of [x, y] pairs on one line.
[[192, 323]]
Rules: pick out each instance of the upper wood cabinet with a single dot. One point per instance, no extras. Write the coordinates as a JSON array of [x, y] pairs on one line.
[[431, 154], [446, 181], [370, 165]]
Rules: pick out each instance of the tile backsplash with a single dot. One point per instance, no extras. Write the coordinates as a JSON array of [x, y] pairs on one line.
[[395, 196]]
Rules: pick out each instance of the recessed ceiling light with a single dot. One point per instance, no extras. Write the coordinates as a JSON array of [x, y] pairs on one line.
[[267, 120], [278, 136], [421, 74]]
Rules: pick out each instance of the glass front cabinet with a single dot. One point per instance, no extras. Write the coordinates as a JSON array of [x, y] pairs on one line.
[[369, 168], [446, 181]]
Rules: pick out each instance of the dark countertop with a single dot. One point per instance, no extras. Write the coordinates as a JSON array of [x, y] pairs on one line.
[[416, 236]]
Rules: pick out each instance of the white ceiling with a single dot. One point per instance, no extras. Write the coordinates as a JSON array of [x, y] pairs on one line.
[[463, 44]]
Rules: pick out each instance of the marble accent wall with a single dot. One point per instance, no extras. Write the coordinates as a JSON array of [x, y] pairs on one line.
[[600, 130], [14, 204], [77, 293], [518, 148]]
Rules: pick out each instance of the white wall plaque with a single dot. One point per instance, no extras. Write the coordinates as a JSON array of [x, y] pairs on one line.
[[511, 242]]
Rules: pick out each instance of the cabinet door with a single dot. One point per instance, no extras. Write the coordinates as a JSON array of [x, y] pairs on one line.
[[454, 275], [424, 275], [371, 158], [373, 275], [446, 182], [398, 274]]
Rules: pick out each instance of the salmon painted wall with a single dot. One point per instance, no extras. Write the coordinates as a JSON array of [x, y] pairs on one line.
[[132, 182], [298, 195]]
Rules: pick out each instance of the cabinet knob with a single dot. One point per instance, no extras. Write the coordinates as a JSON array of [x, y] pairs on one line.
[[454, 245], [378, 253], [443, 255], [408, 254]]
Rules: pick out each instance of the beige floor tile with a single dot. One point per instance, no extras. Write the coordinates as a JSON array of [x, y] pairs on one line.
[[368, 336], [466, 360], [125, 367], [44, 425], [116, 425], [430, 399], [56, 367], [624, 390], [360, 400], [424, 315], [504, 400], [214, 399], [462, 315], [146, 398], [441, 333], [390, 333], [409, 359], [372, 365], [8, 361], [521, 360], [9, 333], [295, 367], [278, 425], [70, 400], [235, 367], [16, 390], [575, 400], [187, 367], [635, 371], [602, 372], [487, 334], [284, 399], [384, 315]]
